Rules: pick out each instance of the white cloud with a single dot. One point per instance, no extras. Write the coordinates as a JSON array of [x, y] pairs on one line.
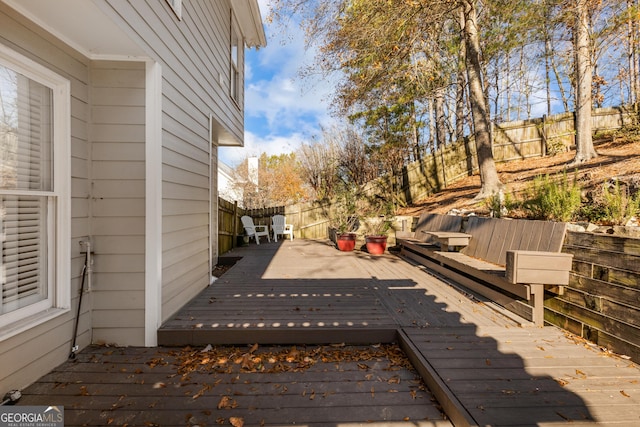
[[281, 109], [255, 145]]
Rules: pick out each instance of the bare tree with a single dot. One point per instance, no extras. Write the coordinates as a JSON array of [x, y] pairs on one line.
[[318, 162], [583, 67], [488, 173]]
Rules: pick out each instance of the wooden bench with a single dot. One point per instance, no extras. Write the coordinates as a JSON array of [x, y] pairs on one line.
[[449, 239], [509, 261], [424, 237]]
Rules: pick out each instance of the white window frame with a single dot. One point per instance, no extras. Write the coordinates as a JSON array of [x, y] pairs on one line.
[[58, 279], [236, 78]]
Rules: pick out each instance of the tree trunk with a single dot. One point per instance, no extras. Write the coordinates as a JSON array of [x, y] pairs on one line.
[[632, 44], [547, 71], [584, 142], [441, 131], [432, 126], [488, 174], [460, 98]]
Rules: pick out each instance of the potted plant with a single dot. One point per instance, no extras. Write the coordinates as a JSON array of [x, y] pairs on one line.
[[345, 220], [377, 224]]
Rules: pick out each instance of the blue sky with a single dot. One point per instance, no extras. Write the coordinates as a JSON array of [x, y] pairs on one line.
[[281, 110]]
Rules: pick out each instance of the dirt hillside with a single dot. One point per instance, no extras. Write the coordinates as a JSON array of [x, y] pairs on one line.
[[618, 158]]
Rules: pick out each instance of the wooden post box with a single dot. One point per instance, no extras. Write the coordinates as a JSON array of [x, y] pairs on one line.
[[538, 267]]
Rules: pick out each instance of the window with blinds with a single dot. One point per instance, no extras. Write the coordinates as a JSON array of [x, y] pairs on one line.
[[26, 194]]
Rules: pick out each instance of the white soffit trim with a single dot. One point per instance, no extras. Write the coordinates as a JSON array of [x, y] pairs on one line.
[[82, 25], [221, 136], [248, 15]]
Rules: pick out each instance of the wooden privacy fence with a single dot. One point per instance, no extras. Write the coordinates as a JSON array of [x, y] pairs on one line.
[[510, 140], [310, 221]]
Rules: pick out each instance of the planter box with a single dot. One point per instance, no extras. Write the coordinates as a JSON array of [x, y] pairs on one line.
[[538, 267]]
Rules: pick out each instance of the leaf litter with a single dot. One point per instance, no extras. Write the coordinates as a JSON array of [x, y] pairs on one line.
[[187, 365], [227, 360]]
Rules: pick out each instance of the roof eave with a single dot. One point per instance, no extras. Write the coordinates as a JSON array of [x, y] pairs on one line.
[[248, 14]]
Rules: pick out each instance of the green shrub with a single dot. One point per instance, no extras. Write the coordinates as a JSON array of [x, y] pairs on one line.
[[553, 199], [500, 204], [619, 205], [593, 212]]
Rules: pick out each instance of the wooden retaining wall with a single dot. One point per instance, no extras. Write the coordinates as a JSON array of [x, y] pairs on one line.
[[602, 301]]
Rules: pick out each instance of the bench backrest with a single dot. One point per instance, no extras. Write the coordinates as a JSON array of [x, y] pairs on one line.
[[436, 222], [493, 237]]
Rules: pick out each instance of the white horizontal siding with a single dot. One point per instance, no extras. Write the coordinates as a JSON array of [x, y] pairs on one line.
[[194, 55], [29, 355], [118, 201]]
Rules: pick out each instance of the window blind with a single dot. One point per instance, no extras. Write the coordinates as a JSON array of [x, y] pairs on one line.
[[23, 263], [26, 168]]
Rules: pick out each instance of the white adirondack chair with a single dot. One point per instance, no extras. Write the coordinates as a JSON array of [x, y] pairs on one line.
[[279, 226], [254, 231]]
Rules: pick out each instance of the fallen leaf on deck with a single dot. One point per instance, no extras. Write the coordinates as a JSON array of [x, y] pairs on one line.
[[155, 362], [202, 391], [236, 421], [292, 355], [227, 403], [394, 380]]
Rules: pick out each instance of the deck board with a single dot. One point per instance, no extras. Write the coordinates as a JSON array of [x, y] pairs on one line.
[[504, 376]]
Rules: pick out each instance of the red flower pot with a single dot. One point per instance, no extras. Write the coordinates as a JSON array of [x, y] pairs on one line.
[[346, 242], [376, 244]]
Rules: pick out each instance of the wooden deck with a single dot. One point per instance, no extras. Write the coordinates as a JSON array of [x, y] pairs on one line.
[[483, 367], [307, 292]]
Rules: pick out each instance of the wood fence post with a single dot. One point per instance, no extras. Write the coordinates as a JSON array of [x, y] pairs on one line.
[[234, 235], [543, 137]]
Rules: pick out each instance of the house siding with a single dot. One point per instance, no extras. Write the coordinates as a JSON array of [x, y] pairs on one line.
[[117, 133], [196, 77], [108, 171], [39, 349]]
